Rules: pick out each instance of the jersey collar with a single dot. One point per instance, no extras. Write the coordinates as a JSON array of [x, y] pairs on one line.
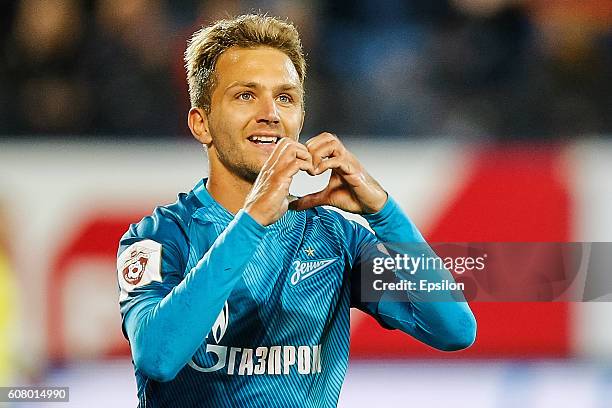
[[212, 211], [202, 193]]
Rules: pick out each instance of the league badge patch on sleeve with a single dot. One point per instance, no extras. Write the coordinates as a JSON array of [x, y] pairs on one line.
[[138, 265]]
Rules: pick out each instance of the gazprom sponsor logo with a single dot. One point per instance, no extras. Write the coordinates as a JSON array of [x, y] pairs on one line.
[[274, 360], [305, 269], [220, 325]]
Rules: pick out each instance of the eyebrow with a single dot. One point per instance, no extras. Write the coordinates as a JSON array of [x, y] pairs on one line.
[[254, 85]]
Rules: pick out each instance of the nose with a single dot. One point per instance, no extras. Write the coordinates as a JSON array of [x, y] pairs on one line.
[[268, 111]]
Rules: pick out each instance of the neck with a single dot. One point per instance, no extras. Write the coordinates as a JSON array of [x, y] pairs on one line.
[[227, 189]]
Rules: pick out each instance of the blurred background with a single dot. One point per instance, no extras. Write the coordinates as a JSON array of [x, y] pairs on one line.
[[476, 69], [488, 120]]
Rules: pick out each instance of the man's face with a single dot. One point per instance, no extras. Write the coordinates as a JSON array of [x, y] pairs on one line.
[[257, 100]]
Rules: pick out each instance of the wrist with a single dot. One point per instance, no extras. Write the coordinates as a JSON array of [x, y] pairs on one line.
[[256, 216], [388, 209], [377, 205], [247, 222]]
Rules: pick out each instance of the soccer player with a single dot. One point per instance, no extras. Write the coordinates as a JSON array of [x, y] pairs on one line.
[[235, 295]]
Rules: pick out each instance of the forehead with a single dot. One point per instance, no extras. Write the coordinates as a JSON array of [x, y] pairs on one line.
[[262, 64]]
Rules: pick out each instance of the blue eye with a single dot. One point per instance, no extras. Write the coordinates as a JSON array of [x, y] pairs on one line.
[[284, 98], [245, 96]]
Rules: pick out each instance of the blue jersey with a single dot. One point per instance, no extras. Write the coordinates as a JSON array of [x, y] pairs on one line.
[[223, 312]]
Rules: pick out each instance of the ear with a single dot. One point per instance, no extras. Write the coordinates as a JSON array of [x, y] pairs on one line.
[[197, 119]]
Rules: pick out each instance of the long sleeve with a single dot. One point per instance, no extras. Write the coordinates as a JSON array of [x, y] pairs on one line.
[[166, 326], [443, 321]]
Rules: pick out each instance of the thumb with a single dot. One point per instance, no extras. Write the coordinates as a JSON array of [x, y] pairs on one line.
[[308, 201]]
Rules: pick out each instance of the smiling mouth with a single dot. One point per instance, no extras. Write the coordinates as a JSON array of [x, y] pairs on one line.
[[264, 140]]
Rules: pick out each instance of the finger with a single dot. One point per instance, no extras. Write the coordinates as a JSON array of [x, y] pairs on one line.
[[302, 152], [320, 139], [307, 163], [292, 168], [329, 149], [281, 145], [302, 163], [309, 201], [336, 163], [323, 139], [291, 155], [282, 154], [294, 152]]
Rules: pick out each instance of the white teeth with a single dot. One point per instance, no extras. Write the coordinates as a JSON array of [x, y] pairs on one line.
[[264, 139]]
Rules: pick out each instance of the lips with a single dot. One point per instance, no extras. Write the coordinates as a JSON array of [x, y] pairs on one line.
[[264, 139], [264, 142]]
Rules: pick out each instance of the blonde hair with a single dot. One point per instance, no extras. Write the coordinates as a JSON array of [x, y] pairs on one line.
[[246, 31]]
